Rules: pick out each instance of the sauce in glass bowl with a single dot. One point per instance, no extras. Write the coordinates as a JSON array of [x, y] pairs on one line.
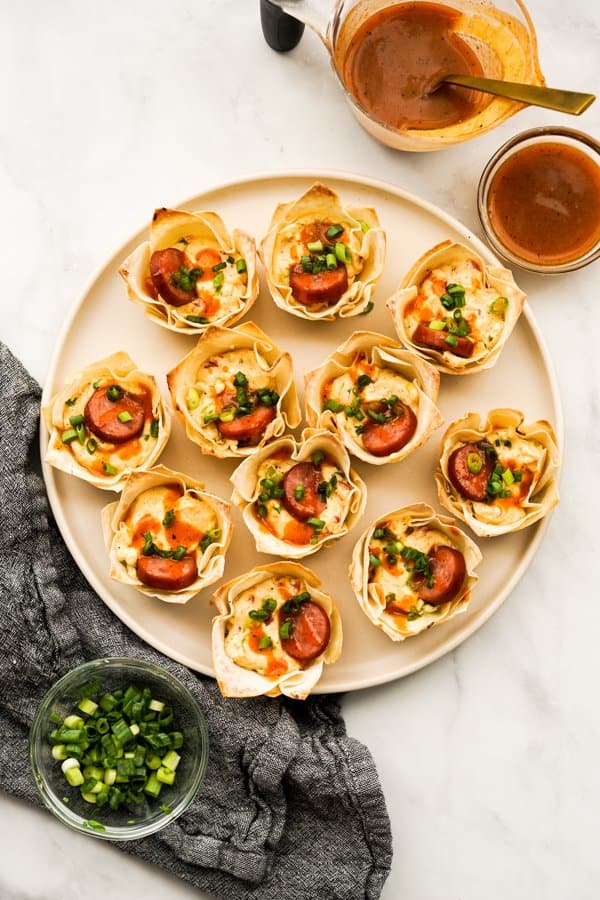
[[539, 200]]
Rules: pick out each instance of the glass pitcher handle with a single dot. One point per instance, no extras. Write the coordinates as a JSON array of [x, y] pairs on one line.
[[281, 31]]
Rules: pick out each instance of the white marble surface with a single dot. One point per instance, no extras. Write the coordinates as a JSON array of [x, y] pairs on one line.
[[489, 758]]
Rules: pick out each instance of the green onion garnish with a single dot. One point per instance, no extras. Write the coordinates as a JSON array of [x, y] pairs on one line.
[[367, 309], [219, 266], [71, 401], [285, 630], [451, 340], [69, 435], [317, 524], [508, 477], [333, 406], [498, 306], [374, 560], [364, 226], [218, 281], [299, 492], [343, 253], [334, 231], [124, 416], [307, 264], [154, 428], [114, 392], [241, 265], [197, 320], [265, 642], [474, 463], [331, 261], [169, 518], [108, 469], [315, 246], [76, 420], [318, 457]]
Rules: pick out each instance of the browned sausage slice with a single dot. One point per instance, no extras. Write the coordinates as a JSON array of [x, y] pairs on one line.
[[167, 574], [163, 265], [311, 504], [309, 633], [472, 485], [324, 287], [102, 416], [247, 427], [389, 437], [429, 337], [448, 569]]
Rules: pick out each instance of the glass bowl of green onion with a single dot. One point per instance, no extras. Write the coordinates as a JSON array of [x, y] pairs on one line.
[[118, 748]]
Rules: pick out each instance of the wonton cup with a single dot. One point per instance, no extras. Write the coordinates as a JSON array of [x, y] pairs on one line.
[[366, 242], [210, 562], [237, 681], [200, 230], [270, 361], [385, 353], [286, 452], [528, 502], [497, 282], [371, 596], [87, 459]]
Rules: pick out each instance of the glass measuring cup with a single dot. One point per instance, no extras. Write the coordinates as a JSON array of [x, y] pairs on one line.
[[501, 35]]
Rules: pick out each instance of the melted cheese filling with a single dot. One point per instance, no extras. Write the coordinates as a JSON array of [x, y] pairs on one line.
[[285, 526], [486, 326], [517, 454], [243, 634], [188, 519], [291, 247], [385, 383], [214, 389], [392, 583], [95, 454]]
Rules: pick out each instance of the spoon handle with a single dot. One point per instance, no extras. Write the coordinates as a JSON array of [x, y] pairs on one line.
[[572, 102]]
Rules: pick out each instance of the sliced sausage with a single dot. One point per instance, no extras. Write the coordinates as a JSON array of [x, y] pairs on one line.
[[102, 416], [472, 485], [247, 427], [163, 265], [448, 569], [310, 631], [429, 337], [311, 504], [167, 574], [391, 436], [324, 287]]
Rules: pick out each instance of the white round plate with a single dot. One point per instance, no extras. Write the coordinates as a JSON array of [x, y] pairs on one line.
[[104, 321]]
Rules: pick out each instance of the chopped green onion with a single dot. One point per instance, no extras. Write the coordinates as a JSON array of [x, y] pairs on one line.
[[451, 340], [318, 457], [69, 435], [508, 477], [92, 446], [76, 420], [334, 231], [114, 393], [169, 518], [87, 706], [285, 629], [124, 416], [241, 266], [331, 261], [333, 406], [154, 428], [218, 281], [108, 469], [197, 320], [299, 492], [317, 524], [374, 560], [265, 642], [498, 306], [474, 463], [343, 253], [365, 312], [306, 263], [219, 266], [192, 399], [315, 246], [71, 401], [364, 226]]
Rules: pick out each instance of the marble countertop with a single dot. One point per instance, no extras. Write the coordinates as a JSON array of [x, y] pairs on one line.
[[489, 757]]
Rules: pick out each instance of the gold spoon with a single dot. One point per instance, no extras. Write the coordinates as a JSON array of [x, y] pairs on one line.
[[572, 102]]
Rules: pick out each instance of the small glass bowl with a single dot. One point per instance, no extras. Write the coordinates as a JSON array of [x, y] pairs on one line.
[[123, 824], [545, 134]]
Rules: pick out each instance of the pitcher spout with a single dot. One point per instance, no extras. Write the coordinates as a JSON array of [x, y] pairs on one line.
[[317, 14]]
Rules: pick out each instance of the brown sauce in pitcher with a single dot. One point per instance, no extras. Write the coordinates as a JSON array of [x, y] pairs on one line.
[[396, 58]]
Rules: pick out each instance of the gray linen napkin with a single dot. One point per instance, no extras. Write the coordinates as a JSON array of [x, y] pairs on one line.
[[290, 806]]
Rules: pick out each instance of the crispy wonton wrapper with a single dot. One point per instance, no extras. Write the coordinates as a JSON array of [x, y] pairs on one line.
[[371, 597], [200, 229], [210, 562], [496, 279], [79, 459], [270, 359], [247, 488], [366, 240], [384, 353], [502, 517], [235, 680]]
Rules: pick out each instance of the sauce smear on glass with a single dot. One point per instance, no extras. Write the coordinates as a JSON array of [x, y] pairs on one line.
[[544, 203], [398, 56]]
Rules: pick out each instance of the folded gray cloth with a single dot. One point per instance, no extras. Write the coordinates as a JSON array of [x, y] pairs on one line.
[[290, 806]]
